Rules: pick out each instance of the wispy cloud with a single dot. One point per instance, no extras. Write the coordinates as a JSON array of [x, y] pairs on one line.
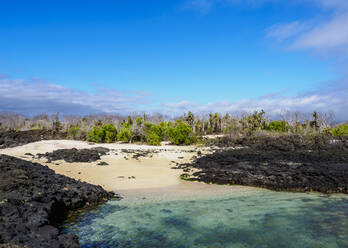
[[286, 30], [182, 105], [326, 34], [36, 96], [332, 97]]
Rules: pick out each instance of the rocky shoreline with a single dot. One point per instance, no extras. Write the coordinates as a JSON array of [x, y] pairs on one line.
[[281, 165], [34, 199]]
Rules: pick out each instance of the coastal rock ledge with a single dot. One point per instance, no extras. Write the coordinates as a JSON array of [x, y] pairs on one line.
[[322, 170], [34, 199]]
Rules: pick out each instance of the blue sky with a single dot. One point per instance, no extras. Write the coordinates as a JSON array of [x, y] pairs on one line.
[[177, 55]]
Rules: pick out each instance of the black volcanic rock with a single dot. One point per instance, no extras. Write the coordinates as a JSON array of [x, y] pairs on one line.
[[76, 155], [18, 138], [278, 167], [33, 200]]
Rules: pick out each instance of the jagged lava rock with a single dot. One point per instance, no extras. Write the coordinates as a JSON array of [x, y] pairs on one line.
[[34, 199]]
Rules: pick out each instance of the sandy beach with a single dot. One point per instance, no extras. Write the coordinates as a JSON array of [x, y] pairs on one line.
[[143, 176]]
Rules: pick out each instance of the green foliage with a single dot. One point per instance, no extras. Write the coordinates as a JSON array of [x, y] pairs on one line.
[[103, 133], [341, 130], [110, 133], [96, 135], [280, 126], [184, 176], [125, 133], [190, 118], [154, 133], [180, 133], [257, 121], [215, 123], [139, 121]]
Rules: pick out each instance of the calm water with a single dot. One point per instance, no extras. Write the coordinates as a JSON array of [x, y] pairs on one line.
[[257, 219]]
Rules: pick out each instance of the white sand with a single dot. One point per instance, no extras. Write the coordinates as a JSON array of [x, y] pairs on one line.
[[125, 175]]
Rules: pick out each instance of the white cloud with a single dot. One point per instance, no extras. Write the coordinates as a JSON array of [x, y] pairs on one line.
[[330, 98], [34, 97], [334, 4], [327, 33], [331, 34], [287, 30], [181, 105]]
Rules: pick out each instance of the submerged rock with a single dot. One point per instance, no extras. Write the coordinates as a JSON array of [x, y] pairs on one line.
[[34, 200]]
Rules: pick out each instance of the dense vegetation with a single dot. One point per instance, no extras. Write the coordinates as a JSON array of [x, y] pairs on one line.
[[183, 130]]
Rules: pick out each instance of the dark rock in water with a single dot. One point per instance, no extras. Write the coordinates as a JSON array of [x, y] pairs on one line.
[[323, 170], [75, 155], [18, 138], [34, 200], [102, 163]]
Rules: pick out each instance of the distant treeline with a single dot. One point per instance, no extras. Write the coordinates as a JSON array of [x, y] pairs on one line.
[[187, 129]]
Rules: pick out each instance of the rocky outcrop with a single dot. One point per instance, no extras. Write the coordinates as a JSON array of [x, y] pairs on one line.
[[76, 155], [277, 166], [34, 199]]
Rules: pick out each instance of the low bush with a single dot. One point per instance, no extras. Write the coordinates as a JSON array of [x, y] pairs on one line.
[[110, 133], [154, 133], [103, 133], [180, 133], [341, 130], [125, 134], [280, 126]]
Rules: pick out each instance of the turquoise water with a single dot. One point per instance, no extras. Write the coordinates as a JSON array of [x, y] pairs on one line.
[[255, 220]]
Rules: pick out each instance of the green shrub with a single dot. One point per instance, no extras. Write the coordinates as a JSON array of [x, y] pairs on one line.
[[96, 135], [154, 133], [104, 133], [125, 133], [341, 130], [153, 139], [280, 126], [181, 133], [110, 132]]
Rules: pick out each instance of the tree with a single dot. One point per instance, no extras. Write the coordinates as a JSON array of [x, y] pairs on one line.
[[154, 133], [315, 123], [181, 133]]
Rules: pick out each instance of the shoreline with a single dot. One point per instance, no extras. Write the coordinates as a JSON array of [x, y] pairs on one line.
[[152, 170], [155, 174], [142, 168]]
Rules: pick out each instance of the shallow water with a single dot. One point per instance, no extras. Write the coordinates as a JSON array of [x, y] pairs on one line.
[[253, 219]]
